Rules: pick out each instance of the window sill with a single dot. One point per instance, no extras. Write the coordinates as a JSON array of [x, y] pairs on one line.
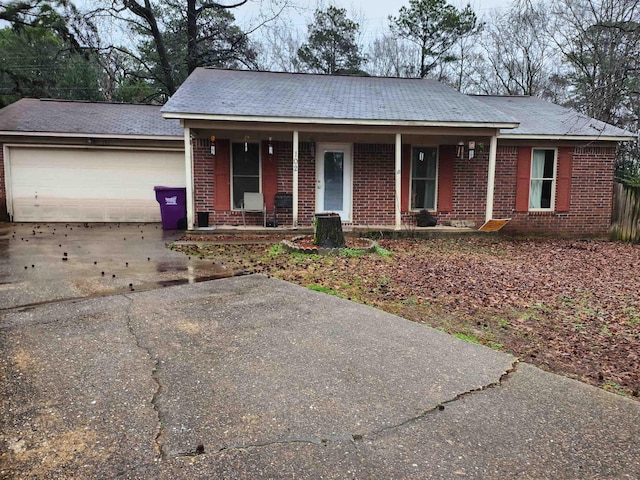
[[542, 213]]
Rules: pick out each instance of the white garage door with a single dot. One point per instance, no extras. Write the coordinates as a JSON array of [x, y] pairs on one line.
[[89, 185]]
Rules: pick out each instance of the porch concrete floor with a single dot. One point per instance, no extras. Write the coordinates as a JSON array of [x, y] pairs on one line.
[[438, 229]]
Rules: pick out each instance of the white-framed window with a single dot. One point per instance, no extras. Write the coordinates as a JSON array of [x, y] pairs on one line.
[[424, 178], [542, 186], [245, 171]]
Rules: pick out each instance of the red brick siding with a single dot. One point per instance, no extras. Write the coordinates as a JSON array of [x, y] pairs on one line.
[[3, 191], [589, 212], [204, 184], [373, 184], [203, 171], [469, 189], [374, 189]]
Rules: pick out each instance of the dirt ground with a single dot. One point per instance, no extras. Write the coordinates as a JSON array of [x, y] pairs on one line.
[[570, 307]]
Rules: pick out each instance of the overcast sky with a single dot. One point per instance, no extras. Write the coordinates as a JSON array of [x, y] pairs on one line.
[[372, 14]]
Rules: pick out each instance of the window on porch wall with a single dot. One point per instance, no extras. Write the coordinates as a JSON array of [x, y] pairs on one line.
[[541, 190], [245, 170], [424, 174]]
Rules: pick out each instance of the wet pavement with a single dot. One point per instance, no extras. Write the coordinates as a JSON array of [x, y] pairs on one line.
[[46, 262], [250, 377]]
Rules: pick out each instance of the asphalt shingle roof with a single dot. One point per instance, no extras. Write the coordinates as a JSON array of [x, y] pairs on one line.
[[84, 118], [306, 96], [539, 117]]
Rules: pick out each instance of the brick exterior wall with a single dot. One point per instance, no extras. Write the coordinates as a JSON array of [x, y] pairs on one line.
[[3, 191], [469, 190], [591, 195], [374, 184], [203, 176]]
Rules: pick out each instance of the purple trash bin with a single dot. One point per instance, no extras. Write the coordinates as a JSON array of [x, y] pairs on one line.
[[173, 207]]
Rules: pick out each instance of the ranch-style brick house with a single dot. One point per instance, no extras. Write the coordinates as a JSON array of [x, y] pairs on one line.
[[375, 150], [379, 150]]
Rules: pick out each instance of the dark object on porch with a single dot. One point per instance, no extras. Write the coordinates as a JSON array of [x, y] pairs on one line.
[[327, 229], [203, 219], [424, 219], [281, 202]]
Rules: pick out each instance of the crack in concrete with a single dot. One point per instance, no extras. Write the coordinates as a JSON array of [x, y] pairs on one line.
[[441, 406], [283, 441], [160, 433], [324, 440]]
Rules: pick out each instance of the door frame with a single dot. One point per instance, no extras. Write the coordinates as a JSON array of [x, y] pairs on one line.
[[346, 214]]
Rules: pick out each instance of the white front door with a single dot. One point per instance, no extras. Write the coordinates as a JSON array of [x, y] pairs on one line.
[[334, 179]]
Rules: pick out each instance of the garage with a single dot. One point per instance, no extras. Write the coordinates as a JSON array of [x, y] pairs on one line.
[[69, 161], [88, 185]]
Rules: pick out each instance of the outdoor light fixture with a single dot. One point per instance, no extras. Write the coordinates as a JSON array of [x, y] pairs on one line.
[[270, 147], [460, 150], [421, 156], [472, 149], [213, 145]]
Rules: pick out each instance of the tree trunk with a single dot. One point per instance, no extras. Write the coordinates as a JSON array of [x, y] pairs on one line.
[[328, 231], [192, 34]]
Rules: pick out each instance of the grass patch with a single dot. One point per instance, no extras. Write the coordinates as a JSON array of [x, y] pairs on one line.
[[467, 337], [276, 250], [323, 289], [383, 252], [352, 252]]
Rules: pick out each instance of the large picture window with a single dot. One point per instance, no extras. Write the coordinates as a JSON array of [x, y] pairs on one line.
[[245, 168], [424, 174], [542, 187]]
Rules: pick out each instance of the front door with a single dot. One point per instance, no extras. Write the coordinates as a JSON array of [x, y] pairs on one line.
[[334, 179]]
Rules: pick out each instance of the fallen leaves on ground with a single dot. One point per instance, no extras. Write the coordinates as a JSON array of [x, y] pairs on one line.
[[571, 307]]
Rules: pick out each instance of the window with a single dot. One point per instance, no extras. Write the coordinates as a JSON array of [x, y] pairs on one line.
[[542, 187], [424, 172], [245, 168]]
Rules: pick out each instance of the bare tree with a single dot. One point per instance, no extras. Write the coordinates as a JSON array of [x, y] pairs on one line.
[[600, 41], [279, 49], [390, 56], [518, 53]]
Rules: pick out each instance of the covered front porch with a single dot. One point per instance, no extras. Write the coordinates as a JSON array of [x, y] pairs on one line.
[[376, 177]]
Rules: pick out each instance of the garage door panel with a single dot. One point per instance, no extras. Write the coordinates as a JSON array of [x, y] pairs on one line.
[[90, 184]]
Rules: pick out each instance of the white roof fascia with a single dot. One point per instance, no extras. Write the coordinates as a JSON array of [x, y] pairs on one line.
[[602, 138], [336, 121], [88, 135]]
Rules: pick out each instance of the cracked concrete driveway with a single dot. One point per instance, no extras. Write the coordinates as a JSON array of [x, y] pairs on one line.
[[251, 377]]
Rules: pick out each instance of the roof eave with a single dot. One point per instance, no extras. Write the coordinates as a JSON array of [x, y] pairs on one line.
[[601, 138], [335, 121], [89, 135]]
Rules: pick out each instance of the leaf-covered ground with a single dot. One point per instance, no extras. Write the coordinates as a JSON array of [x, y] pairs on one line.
[[571, 307]]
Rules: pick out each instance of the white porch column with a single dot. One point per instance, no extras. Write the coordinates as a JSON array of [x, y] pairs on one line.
[[295, 178], [491, 179], [398, 171], [188, 169]]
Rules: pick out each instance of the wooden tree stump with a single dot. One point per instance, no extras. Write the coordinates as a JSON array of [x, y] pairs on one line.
[[328, 231]]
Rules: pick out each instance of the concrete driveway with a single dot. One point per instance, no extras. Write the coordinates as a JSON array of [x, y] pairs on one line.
[[250, 377]]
